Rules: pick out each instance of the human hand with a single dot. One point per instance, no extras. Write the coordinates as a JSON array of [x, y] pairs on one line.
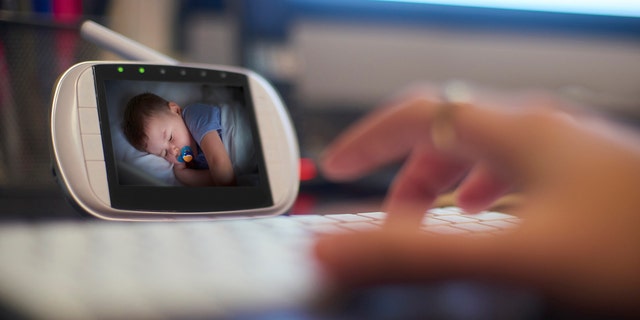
[[179, 165], [579, 175]]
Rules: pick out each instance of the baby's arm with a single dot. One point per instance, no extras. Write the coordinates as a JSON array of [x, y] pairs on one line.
[[220, 167], [192, 177]]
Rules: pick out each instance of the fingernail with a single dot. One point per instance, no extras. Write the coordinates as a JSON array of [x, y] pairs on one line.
[[336, 167]]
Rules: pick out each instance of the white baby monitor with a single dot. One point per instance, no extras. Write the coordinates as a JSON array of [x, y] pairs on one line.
[[105, 176]]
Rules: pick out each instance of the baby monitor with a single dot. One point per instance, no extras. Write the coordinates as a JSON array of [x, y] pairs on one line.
[[105, 176]]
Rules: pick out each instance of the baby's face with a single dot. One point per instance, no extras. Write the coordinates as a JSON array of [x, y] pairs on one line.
[[167, 134]]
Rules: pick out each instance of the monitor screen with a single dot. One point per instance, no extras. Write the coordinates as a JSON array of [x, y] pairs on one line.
[[160, 156], [623, 8]]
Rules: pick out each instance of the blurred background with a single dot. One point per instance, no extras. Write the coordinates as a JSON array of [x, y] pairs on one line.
[[331, 60]]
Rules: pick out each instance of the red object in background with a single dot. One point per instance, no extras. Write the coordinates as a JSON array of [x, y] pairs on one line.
[[305, 204], [67, 10], [308, 169]]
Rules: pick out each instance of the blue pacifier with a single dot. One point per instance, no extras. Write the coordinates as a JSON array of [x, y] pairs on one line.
[[186, 154]]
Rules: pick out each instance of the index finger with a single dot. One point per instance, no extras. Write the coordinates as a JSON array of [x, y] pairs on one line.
[[385, 136]]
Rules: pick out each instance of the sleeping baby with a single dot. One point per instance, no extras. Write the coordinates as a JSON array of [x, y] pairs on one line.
[[190, 138]]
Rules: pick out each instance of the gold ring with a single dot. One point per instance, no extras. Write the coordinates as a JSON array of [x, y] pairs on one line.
[[443, 134]]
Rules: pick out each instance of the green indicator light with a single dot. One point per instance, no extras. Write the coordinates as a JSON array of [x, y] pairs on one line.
[[141, 70], [120, 69]]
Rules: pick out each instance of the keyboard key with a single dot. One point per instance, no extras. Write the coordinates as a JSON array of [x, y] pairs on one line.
[[445, 211], [433, 221], [374, 215], [312, 219], [501, 224], [456, 218], [490, 215]]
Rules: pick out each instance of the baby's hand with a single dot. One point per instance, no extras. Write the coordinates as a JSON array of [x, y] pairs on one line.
[[179, 166]]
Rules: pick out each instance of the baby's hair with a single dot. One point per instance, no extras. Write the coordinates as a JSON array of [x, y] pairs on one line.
[[138, 110]]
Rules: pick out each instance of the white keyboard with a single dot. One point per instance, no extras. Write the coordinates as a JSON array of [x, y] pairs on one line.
[[85, 270]]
